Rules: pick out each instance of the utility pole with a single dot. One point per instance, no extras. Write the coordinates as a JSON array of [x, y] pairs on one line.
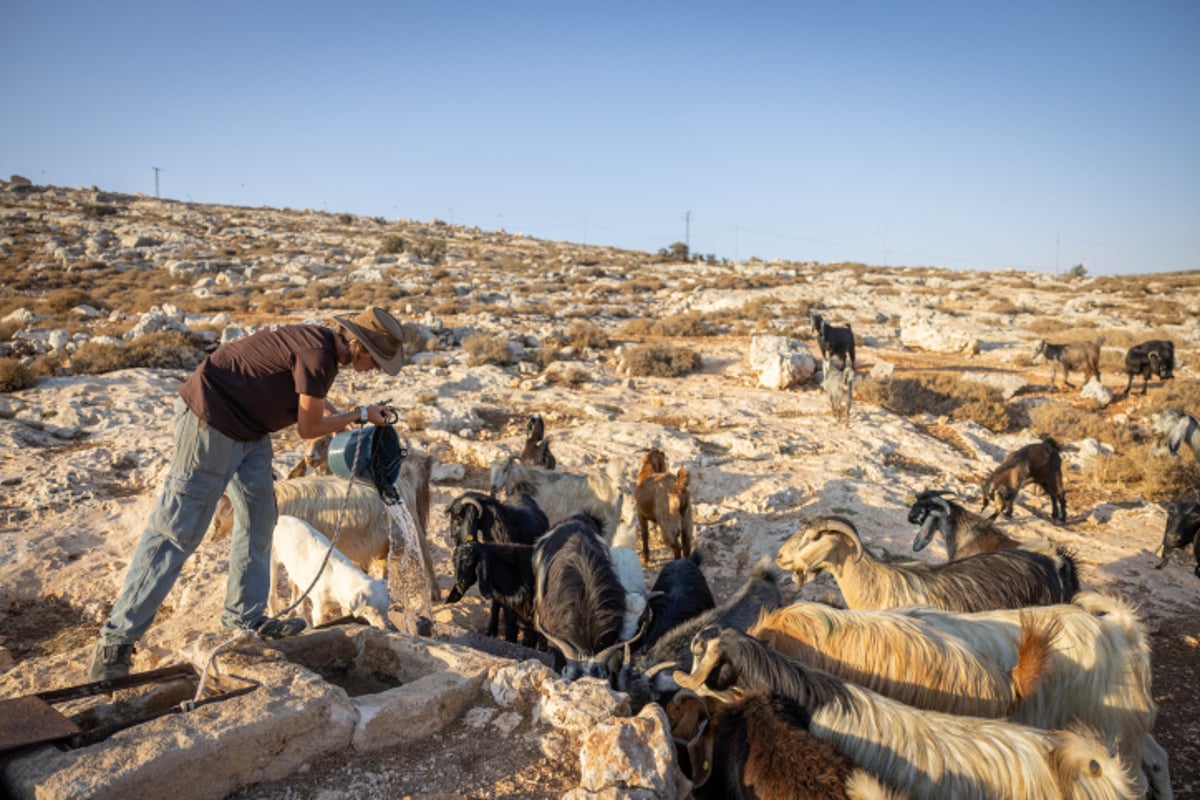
[[735, 242], [1056, 238], [687, 232], [156, 171]]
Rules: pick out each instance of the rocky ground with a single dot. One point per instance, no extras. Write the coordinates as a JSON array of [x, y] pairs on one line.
[[81, 456]]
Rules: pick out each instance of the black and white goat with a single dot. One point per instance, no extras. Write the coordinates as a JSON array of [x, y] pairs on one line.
[[579, 605], [479, 517], [1040, 464], [1080, 356], [834, 341], [965, 533], [1155, 357], [1175, 428], [537, 446], [916, 752], [1183, 523]]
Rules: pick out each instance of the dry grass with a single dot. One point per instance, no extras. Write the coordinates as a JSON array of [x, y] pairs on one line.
[[15, 375], [482, 348], [943, 396], [660, 361], [172, 350]]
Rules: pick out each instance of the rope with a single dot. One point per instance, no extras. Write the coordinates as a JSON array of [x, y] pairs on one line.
[[188, 705]]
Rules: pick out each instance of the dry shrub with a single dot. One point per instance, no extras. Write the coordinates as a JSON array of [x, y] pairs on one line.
[[691, 323], [1171, 478], [582, 335], [660, 361], [484, 349], [415, 420], [61, 301], [15, 375], [636, 286], [1066, 423], [943, 396], [168, 350], [7, 329], [571, 376]]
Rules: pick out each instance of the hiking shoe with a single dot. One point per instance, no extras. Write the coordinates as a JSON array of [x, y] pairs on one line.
[[280, 628], [110, 661]]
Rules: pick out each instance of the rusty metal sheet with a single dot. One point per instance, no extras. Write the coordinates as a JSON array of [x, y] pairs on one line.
[[30, 720]]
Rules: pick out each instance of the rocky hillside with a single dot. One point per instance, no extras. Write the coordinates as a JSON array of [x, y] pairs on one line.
[[715, 363]]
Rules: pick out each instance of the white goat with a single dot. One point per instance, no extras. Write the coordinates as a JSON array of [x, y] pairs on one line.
[[300, 549], [839, 386], [1092, 664], [920, 753], [629, 571], [1099, 671], [365, 521], [1175, 427], [561, 494]]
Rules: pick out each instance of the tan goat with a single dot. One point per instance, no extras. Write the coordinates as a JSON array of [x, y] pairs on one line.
[[665, 500]]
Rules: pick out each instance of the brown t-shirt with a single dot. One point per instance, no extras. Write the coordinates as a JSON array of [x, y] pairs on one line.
[[251, 386]]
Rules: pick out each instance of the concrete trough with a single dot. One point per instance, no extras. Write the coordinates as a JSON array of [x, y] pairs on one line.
[[319, 693]]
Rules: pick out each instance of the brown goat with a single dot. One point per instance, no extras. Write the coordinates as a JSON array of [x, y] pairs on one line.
[[1040, 464], [315, 460], [665, 500], [1082, 357]]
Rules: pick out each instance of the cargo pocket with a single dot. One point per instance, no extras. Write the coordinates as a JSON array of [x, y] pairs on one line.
[[186, 508]]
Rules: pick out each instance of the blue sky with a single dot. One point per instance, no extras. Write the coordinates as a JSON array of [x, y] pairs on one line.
[[1032, 135]]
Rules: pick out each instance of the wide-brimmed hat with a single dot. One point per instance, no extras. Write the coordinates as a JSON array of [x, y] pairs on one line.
[[381, 334]]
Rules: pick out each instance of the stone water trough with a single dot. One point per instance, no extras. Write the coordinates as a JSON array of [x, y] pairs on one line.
[[320, 693]]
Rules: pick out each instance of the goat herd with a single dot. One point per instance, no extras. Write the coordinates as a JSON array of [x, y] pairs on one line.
[[992, 675]]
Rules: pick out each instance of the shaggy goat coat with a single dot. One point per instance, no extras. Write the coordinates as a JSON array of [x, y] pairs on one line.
[[1098, 671], [906, 659], [1010, 578], [922, 753], [762, 749]]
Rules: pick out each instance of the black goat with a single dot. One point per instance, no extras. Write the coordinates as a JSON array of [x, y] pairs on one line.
[[965, 533], [834, 341], [1155, 357], [1083, 357], [537, 446], [1039, 463], [505, 574], [1183, 523], [580, 603], [680, 592], [649, 678], [479, 517]]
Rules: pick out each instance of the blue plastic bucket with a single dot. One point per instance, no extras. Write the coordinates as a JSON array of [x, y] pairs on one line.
[[370, 452]]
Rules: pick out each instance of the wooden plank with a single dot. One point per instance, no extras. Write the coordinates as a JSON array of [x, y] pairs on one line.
[[26, 721]]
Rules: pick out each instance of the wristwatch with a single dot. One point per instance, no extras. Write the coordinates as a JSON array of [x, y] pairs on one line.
[[362, 415]]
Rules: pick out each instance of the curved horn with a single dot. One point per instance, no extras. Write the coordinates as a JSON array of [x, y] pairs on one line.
[[843, 526], [568, 650], [605, 654]]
